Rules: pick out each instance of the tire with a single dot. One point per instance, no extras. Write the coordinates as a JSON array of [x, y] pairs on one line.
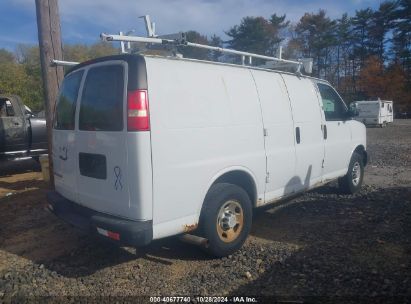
[[226, 219], [352, 181]]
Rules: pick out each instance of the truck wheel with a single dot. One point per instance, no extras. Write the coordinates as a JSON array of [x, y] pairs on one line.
[[225, 219], [352, 181]]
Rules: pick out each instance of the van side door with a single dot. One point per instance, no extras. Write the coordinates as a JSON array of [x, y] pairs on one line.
[[336, 132], [308, 136], [278, 133]]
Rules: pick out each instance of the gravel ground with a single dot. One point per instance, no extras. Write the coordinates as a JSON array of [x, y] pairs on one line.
[[321, 247]]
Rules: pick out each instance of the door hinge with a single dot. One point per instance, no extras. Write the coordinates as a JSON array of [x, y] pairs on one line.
[[267, 177], [265, 132]]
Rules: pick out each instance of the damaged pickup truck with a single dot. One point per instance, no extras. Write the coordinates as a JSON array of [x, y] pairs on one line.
[[21, 132]]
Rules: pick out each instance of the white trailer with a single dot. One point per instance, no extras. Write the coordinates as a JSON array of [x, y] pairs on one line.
[[375, 112]]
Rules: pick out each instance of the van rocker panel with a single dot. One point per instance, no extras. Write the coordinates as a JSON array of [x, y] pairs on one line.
[[131, 233]]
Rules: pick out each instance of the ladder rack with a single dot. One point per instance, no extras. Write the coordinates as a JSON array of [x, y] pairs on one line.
[[179, 39], [183, 42]]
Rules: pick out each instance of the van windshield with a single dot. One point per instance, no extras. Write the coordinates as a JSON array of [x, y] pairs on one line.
[[101, 106]]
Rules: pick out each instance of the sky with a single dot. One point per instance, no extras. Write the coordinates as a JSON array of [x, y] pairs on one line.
[[82, 21]]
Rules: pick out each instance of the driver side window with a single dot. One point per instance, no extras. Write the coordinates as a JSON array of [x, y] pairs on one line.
[[6, 108], [333, 106]]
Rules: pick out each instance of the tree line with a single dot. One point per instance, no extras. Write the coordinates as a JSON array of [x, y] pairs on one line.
[[365, 56], [20, 71]]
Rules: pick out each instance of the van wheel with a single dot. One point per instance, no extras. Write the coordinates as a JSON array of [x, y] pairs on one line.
[[352, 181], [225, 219]]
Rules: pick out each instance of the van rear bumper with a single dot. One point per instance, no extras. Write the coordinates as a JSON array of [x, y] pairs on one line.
[[127, 232]]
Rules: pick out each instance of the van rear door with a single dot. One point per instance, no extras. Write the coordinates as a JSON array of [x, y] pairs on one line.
[[64, 145], [101, 139]]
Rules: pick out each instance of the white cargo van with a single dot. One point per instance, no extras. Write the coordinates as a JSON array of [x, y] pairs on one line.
[[147, 147], [374, 112]]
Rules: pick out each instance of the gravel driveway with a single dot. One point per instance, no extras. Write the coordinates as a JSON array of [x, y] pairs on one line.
[[321, 247]]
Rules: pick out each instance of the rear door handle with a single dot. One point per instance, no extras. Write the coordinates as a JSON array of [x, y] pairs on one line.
[[325, 131], [297, 135]]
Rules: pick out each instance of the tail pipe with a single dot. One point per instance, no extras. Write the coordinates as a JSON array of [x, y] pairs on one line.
[[194, 240]]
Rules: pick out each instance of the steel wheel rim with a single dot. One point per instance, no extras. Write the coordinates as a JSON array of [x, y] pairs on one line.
[[230, 221], [356, 173]]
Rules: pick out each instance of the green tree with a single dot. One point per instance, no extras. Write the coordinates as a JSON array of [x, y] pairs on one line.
[[254, 34], [402, 36], [83, 52], [76, 52], [6, 56], [101, 49], [362, 22], [344, 47], [257, 35], [401, 45], [28, 57], [381, 25], [315, 34], [279, 24], [14, 80], [20, 73]]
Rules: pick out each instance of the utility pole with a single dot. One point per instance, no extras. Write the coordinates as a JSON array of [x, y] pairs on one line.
[[48, 24]]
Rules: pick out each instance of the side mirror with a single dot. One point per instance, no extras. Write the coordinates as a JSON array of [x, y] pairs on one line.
[[352, 112]]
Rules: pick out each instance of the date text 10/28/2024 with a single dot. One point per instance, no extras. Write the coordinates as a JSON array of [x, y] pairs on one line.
[[203, 299]]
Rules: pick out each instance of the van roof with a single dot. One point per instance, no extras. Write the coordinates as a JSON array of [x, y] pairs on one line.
[[236, 65], [138, 59], [135, 81]]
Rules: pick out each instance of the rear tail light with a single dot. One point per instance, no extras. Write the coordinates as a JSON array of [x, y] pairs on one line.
[[138, 118]]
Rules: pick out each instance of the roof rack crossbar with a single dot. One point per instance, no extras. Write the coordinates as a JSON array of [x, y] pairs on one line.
[[240, 53], [121, 38], [55, 62]]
